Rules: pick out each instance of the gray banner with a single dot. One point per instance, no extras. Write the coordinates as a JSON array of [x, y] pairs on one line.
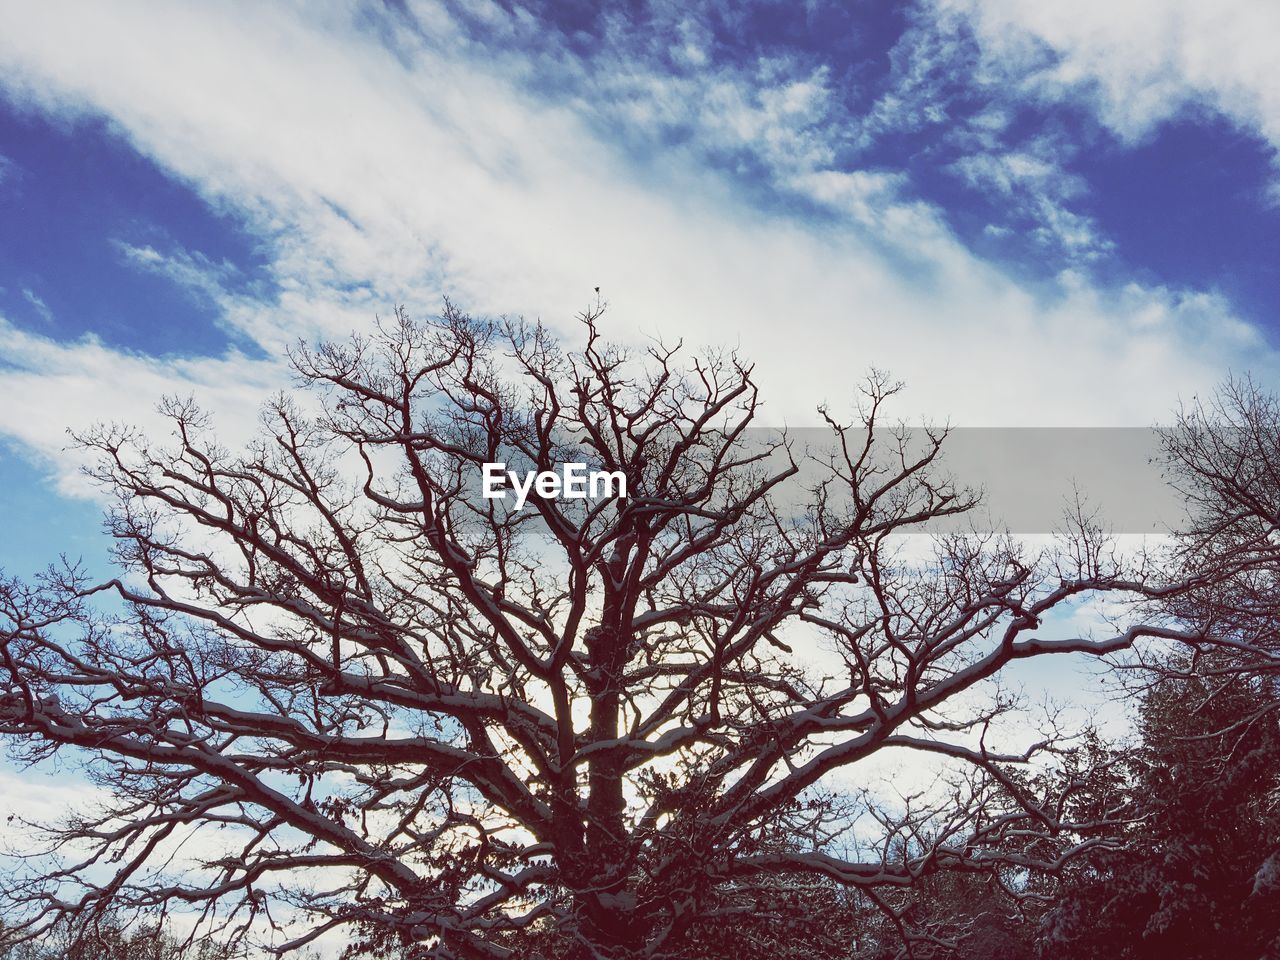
[[1029, 478]]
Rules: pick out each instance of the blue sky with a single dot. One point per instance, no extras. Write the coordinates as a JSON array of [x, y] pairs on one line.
[[1034, 217]]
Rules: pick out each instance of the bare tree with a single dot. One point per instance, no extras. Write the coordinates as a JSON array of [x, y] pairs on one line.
[[588, 728], [1223, 455]]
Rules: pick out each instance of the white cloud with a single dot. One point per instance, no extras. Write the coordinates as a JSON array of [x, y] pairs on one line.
[[30, 794], [192, 271], [50, 386], [1031, 183], [1141, 63], [38, 305]]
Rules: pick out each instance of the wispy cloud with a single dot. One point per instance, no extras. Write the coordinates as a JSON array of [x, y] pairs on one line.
[[1138, 65], [190, 270], [41, 308], [1035, 190]]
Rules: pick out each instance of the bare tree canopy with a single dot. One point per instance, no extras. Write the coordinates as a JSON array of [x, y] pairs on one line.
[[589, 728], [1223, 456]]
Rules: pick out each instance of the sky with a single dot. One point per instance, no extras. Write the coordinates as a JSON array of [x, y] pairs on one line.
[[1034, 214]]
